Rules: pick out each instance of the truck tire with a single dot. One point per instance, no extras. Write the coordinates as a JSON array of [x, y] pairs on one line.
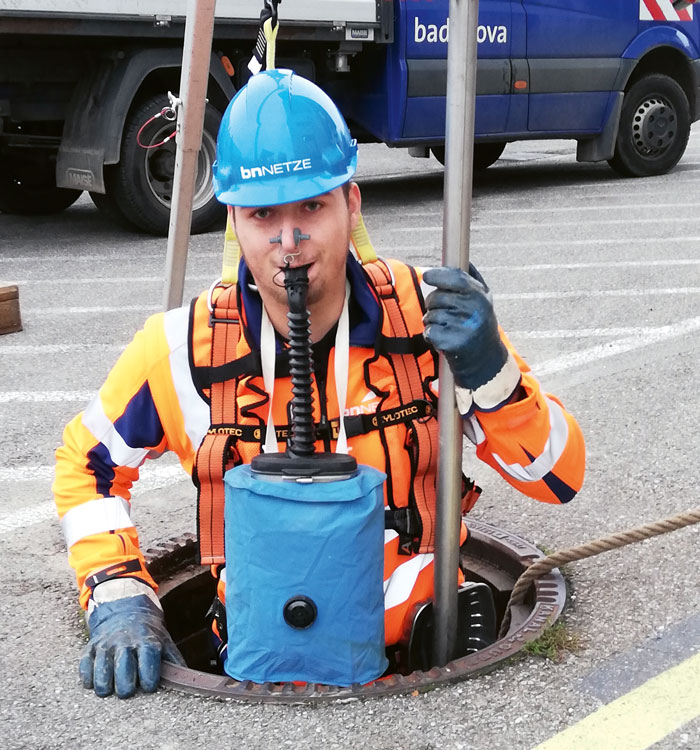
[[654, 127], [485, 154], [30, 189], [139, 187]]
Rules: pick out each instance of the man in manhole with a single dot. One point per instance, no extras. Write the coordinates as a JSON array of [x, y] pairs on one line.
[[212, 382]]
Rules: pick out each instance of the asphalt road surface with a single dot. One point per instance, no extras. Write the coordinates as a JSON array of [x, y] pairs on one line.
[[597, 281]]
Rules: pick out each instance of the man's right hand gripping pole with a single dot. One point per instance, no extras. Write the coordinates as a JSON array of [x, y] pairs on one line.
[[128, 640]]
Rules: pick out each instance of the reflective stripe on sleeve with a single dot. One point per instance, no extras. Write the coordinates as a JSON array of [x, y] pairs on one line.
[[399, 585], [473, 430], [95, 420], [95, 517], [553, 449], [195, 412]]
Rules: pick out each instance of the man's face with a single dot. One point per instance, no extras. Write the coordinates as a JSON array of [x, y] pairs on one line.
[[328, 219]]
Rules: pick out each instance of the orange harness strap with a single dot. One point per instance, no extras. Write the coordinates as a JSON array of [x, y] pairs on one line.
[[217, 454], [424, 433]]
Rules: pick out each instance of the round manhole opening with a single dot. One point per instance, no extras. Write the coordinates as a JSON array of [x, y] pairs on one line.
[[492, 560]]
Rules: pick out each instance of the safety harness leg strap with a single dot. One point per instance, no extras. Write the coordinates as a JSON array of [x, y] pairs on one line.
[[410, 386], [216, 453]]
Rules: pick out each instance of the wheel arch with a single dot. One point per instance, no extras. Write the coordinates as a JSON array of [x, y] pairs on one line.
[[667, 51], [92, 133], [667, 61]]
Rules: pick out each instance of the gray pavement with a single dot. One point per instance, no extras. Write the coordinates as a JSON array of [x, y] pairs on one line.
[[597, 280]]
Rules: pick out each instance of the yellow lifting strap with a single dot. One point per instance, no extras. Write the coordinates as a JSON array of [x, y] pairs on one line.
[[232, 254], [271, 46], [362, 243], [232, 249]]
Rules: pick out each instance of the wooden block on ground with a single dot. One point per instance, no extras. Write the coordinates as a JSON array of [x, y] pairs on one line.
[[10, 320]]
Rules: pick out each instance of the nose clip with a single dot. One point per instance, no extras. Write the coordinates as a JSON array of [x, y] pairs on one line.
[[298, 237]]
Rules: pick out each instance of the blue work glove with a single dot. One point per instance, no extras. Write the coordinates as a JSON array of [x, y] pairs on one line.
[[461, 324], [128, 638]]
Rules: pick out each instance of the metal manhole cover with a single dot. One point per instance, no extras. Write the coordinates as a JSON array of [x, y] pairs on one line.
[[490, 556]]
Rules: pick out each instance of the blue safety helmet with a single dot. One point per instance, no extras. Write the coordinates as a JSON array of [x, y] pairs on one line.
[[281, 140]]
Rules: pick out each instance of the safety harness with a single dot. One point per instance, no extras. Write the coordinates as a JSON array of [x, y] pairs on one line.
[[219, 451]]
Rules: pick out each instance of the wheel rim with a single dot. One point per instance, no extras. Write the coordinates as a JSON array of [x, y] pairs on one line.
[[159, 168], [654, 127]]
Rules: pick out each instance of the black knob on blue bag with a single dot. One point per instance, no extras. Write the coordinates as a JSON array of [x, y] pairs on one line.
[[299, 612]]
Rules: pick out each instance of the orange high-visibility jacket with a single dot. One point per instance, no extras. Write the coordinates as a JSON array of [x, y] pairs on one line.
[[155, 399]]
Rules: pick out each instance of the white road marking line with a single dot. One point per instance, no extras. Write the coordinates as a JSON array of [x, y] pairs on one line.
[[43, 397], [27, 517], [18, 349], [507, 244], [501, 296], [46, 312], [578, 293], [595, 265], [30, 396], [388, 248], [550, 225], [152, 478], [578, 333], [150, 473], [532, 267], [539, 220], [77, 257], [577, 359], [568, 333], [199, 279], [578, 208]]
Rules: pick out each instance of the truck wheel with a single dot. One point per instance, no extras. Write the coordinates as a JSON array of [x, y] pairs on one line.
[[654, 127], [30, 189], [140, 186], [485, 154]]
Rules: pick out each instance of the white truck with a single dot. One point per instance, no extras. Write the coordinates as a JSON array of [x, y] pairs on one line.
[[80, 78], [81, 83]]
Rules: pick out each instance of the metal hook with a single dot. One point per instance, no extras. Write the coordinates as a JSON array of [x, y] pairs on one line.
[[298, 237]]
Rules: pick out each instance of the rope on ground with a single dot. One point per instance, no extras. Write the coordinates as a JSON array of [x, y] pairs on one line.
[[604, 544]]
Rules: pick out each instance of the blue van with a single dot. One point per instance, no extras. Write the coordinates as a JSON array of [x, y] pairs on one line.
[[621, 77]]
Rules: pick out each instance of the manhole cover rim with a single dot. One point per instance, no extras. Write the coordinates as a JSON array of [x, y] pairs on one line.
[[550, 599]]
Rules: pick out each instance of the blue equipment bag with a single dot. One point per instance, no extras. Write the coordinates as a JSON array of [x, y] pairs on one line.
[[304, 578]]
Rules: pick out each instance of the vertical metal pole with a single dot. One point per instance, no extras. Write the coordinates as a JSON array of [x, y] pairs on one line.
[[196, 55], [459, 140]]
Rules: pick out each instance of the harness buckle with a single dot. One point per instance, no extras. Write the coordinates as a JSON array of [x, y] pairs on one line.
[[470, 494], [405, 522], [218, 283]]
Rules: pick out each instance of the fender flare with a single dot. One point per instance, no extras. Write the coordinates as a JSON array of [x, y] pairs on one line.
[[92, 132], [662, 36]]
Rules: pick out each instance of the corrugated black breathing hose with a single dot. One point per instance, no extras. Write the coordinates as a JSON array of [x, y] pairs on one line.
[[303, 431]]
